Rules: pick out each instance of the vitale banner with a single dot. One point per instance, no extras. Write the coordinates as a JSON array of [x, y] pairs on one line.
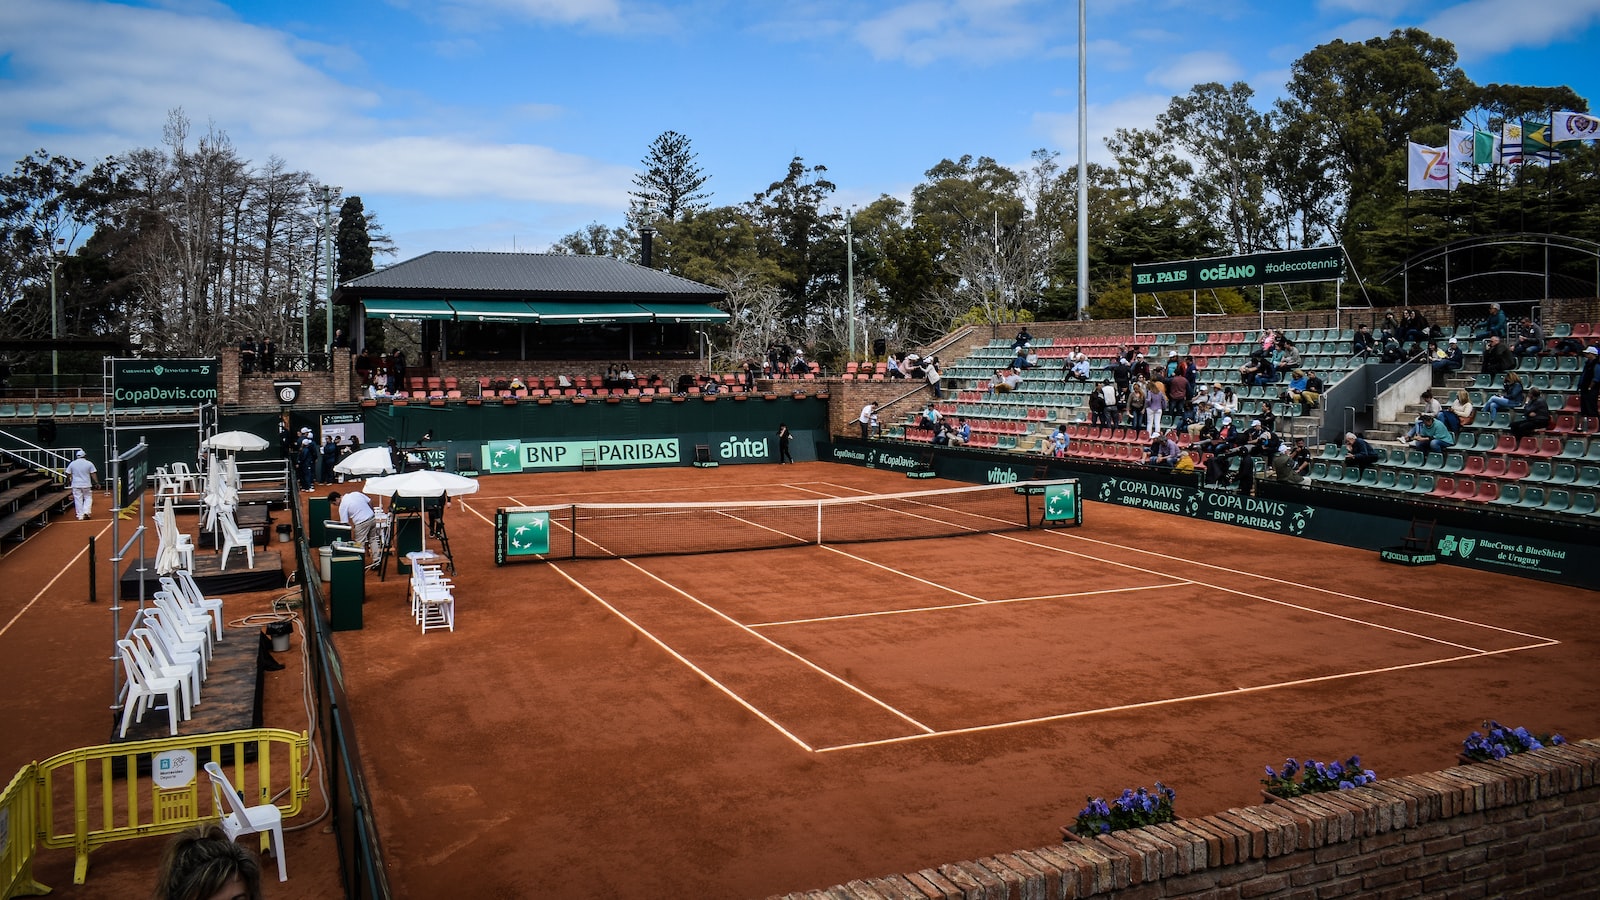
[[1280, 267]]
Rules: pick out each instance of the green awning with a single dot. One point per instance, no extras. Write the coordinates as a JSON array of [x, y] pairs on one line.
[[408, 309], [587, 313], [685, 312], [513, 311]]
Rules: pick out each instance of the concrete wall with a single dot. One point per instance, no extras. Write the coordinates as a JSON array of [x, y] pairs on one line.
[[1526, 826]]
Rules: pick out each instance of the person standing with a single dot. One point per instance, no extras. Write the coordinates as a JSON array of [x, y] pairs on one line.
[[784, 437], [935, 377], [1589, 382], [868, 413], [82, 477], [355, 509], [330, 458]]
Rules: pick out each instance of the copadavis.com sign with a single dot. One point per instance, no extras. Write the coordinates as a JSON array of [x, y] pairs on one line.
[[1281, 267]]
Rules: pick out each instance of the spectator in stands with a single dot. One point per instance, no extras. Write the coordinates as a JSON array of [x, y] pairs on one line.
[[1450, 360], [1286, 356], [1139, 368], [1568, 344], [1429, 435], [626, 379], [1178, 396], [962, 433], [1497, 357], [799, 366], [1006, 380], [1494, 325], [203, 863], [1589, 382], [1429, 404], [1530, 338], [1509, 398], [1023, 339], [1459, 413], [1077, 369], [709, 385], [685, 382], [1136, 401], [1389, 349], [868, 414], [1260, 370], [935, 377], [1060, 441], [929, 417], [1535, 415], [1292, 463], [247, 355], [1413, 327], [1173, 363], [1155, 403], [941, 434], [1191, 372], [1357, 452], [1097, 407], [1362, 344], [1163, 451], [1121, 373], [1390, 329]]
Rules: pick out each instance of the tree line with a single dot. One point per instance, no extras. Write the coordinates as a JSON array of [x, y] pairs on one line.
[[183, 247]]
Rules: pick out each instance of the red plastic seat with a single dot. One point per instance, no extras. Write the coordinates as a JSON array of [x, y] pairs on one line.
[[1474, 466], [1506, 443], [1564, 423], [1528, 446], [1494, 467], [1488, 492], [1516, 469], [1549, 447], [1445, 486]]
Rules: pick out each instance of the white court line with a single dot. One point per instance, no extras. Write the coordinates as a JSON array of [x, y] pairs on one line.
[[1272, 600], [923, 609], [933, 584], [64, 570], [777, 646], [1309, 587], [680, 658], [1170, 701]]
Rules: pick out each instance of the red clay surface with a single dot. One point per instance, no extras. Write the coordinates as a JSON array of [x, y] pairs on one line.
[[742, 725]]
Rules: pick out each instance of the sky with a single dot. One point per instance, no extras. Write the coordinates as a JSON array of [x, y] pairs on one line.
[[505, 124]]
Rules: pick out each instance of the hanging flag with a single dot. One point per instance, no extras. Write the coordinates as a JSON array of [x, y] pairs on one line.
[[1461, 148], [1485, 148], [1536, 143], [1511, 144], [1428, 168], [1574, 126]]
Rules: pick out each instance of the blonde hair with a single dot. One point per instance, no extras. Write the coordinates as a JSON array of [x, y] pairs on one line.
[[1512, 378], [1463, 397]]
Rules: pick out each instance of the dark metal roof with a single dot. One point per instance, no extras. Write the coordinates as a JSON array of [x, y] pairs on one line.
[[524, 276]]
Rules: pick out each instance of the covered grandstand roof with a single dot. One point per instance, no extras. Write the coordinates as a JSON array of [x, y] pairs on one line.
[[449, 275]]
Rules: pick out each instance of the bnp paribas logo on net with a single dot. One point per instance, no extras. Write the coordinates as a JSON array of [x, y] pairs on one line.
[[1060, 502], [527, 533], [1450, 544]]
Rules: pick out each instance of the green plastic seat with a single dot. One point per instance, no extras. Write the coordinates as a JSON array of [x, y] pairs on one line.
[[1583, 504], [1588, 477], [1532, 498], [1559, 501], [1538, 471], [1510, 495], [1425, 483], [1406, 482], [1564, 473], [1387, 479]]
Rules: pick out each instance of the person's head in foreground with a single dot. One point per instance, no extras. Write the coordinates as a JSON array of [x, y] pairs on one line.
[[202, 864]]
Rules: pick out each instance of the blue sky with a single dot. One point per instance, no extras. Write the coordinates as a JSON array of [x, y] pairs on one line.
[[501, 124]]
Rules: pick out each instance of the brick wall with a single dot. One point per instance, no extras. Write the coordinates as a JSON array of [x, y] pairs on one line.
[[255, 391], [1527, 826]]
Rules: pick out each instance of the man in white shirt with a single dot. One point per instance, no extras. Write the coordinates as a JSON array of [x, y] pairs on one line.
[[868, 414], [355, 510], [81, 478]]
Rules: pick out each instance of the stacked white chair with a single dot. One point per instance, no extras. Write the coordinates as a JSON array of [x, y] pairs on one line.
[[238, 819], [433, 602], [153, 654], [144, 687], [188, 618], [185, 543], [188, 590], [178, 639]]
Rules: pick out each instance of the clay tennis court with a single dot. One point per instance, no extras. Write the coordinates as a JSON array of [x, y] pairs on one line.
[[747, 724]]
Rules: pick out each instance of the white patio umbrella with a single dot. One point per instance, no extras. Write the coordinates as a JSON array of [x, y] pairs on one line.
[[236, 441], [168, 559], [371, 461], [422, 483]]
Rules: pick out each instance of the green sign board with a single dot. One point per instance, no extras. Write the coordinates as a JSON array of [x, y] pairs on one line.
[[525, 456], [1280, 267], [1061, 503], [129, 472], [527, 533], [146, 383]]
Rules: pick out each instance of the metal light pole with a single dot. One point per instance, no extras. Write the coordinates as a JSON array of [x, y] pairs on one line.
[[850, 283], [1083, 160], [328, 193], [55, 324]]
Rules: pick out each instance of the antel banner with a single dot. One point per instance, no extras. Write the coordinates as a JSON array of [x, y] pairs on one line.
[[1285, 266], [144, 383]]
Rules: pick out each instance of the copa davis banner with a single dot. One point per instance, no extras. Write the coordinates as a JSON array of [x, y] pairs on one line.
[[1544, 559]]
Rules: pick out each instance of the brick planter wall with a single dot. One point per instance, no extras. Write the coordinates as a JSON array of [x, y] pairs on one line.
[[1526, 826]]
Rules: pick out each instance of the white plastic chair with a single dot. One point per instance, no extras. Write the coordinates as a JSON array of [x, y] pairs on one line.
[[170, 655], [433, 602], [177, 641], [185, 543], [186, 617], [189, 590], [143, 688], [238, 819], [234, 536], [155, 662], [188, 481], [167, 484]]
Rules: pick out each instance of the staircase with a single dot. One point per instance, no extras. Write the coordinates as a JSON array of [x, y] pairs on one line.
[[28, 499]]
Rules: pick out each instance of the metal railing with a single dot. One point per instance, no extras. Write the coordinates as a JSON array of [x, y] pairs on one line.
[[40, 459]]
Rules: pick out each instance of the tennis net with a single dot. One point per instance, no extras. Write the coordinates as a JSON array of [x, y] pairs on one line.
[[613, 530]]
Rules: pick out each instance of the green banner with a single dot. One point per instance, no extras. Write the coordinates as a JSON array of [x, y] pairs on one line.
[[129, 472], [145, 383], [526, 456], [1280, 267]]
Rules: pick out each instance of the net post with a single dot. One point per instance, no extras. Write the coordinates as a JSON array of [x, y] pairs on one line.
[[572, 526], [819, 523]]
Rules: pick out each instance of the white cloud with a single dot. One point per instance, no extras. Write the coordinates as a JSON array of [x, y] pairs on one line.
[[1481, 28], [1132, 111], [442, 167], [1201, 66], [978, 31]]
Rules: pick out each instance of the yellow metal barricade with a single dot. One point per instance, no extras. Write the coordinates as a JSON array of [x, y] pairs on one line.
[[94, 796], [18, 840]]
